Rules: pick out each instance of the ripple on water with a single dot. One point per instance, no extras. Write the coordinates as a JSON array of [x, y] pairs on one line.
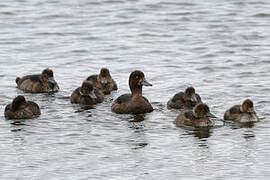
[[261, 15]]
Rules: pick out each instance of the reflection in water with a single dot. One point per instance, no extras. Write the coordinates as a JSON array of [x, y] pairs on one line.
[[82, 108], [137, 138], [137, 122], [246, 125], [16, 128], [138, 118], [249, 134], [202, 133], [139, 145], [237, 125], [17, 125]]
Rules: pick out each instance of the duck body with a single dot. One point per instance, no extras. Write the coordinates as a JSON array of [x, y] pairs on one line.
[[198, 117], [21, 109], [184, 100], [103, 81], [87, 94], [242, 113], [134, 103], [126, 104], [38, 83]]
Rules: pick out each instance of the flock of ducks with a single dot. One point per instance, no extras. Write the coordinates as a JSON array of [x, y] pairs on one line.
[[194, 111]]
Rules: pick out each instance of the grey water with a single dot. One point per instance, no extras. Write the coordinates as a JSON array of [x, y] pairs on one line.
[[222, 48]]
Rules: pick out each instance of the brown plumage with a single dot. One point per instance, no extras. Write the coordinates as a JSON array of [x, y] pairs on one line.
[[103, 81], [242, 113], [198, 117], [87, 94], [21, 109], [133, 103], [39, 83], [184, 100]]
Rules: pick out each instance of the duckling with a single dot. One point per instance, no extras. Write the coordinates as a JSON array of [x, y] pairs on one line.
[[242, 113], [87, 94], [184, 100], [21, 109], [199, 116], [103, 81], [38, 83], [133, 103]]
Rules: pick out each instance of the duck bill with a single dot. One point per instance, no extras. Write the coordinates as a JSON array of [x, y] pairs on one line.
[[145, 83], [92, 95], [193, 98], [104, 80], [251, 111], [56, 87], [51, 80], [211, 115]]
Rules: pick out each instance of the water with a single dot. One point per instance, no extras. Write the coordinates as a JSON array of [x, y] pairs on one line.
[[220, 47]]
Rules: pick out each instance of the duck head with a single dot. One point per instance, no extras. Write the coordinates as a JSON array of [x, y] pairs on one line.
[[201, 110], [136, 81], [87, 89], [247, 107], [190, 95], [47, 76], [18, 102], [104, 76]]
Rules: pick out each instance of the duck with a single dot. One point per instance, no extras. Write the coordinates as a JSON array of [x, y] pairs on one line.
[[184, 100], [199, 116], [242, 113], [21, 109], [87, 94], [134, 103], [103, 81], [38, 83]]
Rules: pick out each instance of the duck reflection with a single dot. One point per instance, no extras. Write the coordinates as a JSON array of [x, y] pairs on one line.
[[17, 125], [237, 125], [246, 125], [137, 122], [138, 118], [137, 138], [82, 108], [200, 133], [139, 145], [249, 134]]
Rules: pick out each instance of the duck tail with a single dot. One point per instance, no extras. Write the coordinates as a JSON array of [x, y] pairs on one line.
[[17, 80]]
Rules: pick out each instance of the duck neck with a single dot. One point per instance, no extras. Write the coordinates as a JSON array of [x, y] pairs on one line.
[[241, 109], [136, 92]]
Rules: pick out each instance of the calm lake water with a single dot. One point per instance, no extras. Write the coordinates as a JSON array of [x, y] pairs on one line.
[[222, 48]]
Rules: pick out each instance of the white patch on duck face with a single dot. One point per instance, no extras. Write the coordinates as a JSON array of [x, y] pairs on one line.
[[55, 88], [248, 118], [104, 80]]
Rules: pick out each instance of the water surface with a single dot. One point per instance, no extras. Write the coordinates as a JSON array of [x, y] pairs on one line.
[[220, 47]]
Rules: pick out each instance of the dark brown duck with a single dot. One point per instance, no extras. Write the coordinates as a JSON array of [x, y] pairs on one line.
[[134, 103], [21, 109], [198, 117], [242, 113], [103, 81], [38, 83], [87, 94], [184, 100]]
